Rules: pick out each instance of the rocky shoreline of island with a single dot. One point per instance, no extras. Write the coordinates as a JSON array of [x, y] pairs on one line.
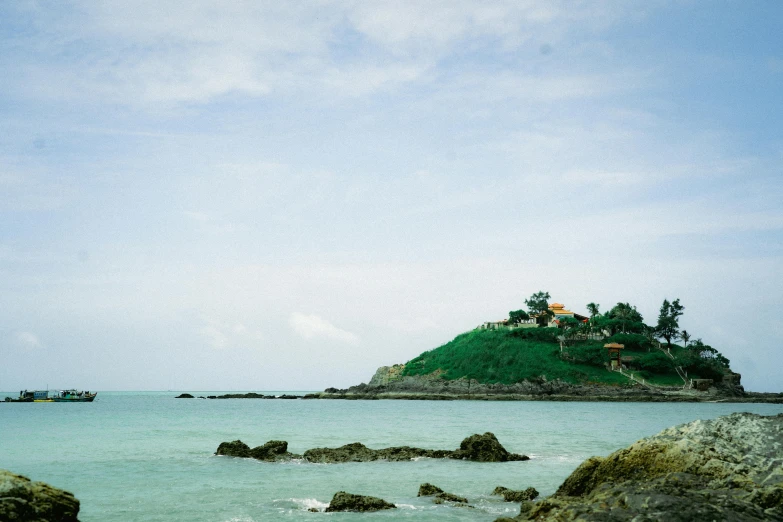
[[389, 384]]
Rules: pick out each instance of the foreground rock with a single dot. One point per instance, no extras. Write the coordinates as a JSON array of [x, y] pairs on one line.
[[511, 495], [272, 451], [24, 500], [343, 501], [730, 468]]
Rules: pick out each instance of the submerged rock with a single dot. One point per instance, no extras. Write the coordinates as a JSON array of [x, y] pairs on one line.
[[729, 468], [343, 501], [511, 495], [24, 500]]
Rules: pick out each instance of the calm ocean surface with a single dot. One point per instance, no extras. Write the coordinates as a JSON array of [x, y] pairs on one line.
[[133, 456]]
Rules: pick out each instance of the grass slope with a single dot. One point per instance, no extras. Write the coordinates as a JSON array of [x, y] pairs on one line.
[[510, 356], [506, 356]]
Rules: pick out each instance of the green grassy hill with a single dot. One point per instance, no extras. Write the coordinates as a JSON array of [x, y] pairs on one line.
[[508, 356]]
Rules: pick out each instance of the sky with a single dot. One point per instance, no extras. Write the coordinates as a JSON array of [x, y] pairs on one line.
[[200, 195]]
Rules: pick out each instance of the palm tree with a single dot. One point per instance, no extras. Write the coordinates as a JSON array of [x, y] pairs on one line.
[[624, 313], [685, 336], [592, 308]]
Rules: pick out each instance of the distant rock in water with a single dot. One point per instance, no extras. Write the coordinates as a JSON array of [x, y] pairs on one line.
[[272, 451], [485, 448], [358, 452], [251, 395], [343, 501], [730, 468], [511, 495], [480, 448], [430, 490], [184, 396], [24, 500]]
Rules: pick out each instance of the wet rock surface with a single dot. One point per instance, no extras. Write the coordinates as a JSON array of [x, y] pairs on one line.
[[358, 452], [485, 448], [272, 451], [512, 495], [440, 496], [343, 501], [729, 468], [24, 500], [479, 448]]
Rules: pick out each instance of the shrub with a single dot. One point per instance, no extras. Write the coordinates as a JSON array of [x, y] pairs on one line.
[[632, 341], [655, 362], [588, 353], [547, 335]]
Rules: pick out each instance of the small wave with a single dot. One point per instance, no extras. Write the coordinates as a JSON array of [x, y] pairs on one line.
[[309, 503], [241, 519]]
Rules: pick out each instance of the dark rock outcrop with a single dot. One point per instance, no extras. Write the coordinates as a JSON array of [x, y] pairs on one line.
[[24, 500], [428, 490], [485, 448], [440, 496], [251, 395], [511, 495], [184, 396], [730, 468], [480, 448], [273, 450], [358, 452], [235, 448], [343, 501]]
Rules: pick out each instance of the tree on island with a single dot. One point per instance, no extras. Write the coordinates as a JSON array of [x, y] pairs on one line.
[[517, 316], [538, 307], [569, 326], [592, 309], [627, 317], [668, 320]]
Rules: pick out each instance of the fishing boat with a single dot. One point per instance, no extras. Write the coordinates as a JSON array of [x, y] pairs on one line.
[[74, 396], [31, 396]]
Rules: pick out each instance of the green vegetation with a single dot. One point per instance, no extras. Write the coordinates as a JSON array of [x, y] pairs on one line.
[[508, 356], [574, 351]]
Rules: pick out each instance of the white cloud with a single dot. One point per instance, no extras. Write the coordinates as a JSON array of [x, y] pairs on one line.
[[315, 327], [27, 341], [226, 335], [144, 53]]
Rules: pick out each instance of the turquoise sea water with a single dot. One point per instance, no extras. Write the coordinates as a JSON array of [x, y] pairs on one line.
[[146, 456]]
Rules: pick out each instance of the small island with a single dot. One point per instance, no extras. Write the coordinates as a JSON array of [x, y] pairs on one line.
[[548, 352]]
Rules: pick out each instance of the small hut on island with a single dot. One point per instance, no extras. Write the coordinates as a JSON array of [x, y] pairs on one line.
[[614, 354]]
